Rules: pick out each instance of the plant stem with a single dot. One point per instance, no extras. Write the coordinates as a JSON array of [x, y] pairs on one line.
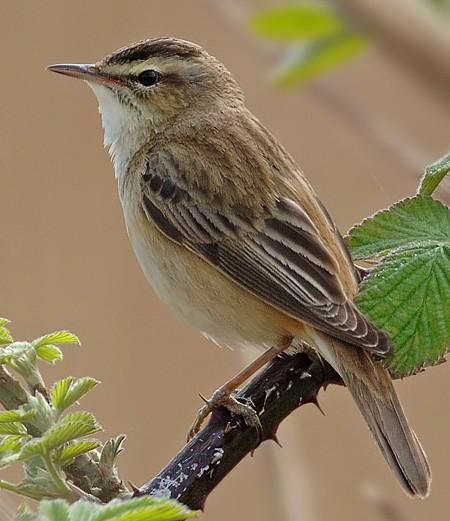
[[66, 492]]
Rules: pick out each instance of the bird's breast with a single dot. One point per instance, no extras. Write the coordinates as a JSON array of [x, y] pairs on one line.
[[201, 295]]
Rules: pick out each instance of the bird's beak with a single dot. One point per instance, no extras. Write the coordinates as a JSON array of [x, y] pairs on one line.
[[88, 72]]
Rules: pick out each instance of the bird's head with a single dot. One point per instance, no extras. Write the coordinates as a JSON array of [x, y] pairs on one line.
[[149, 86]]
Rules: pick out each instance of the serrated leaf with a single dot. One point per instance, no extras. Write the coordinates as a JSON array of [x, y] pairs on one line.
[[15, 428], [19, 489], [43, 413], [138, 509], [14, 351], [49, 353], [143, 509], [10, 447], [72, 426], [35, 447], [59, 391], [41, 487], [111, 449], [296, 22], [56, 510], [433, 175], [11, 443], [5, 335], [7, 459], [408, 296], [319, 56], [419, 221], [68, 428], [84, 510], [57, 337], [16, 416], [65, 455], [25, 514], [66, 392]]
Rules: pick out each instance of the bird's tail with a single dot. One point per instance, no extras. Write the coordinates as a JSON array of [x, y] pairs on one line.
[[372, 389]]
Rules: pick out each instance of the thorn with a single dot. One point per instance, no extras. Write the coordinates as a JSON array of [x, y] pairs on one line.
[[316, 403], [228, 428], [133, 487], [274, 438], [203, 398]]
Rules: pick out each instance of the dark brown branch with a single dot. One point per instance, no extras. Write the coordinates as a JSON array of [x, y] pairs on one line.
[[285, 384]]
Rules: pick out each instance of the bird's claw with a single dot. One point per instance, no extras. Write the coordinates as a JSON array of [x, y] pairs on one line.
[[223, 398]]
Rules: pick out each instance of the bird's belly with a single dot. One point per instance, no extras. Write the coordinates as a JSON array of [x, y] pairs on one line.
[[202, 296]]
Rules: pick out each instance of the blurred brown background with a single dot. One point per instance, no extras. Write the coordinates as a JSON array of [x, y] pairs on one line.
[[361, 133]]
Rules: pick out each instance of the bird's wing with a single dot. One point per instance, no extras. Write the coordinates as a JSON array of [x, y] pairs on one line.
[[280, 259]]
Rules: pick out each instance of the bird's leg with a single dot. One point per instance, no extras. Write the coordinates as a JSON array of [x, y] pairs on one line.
[[222, 397]]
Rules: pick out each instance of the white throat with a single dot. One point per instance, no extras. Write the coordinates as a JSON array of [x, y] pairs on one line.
[[123, 130]]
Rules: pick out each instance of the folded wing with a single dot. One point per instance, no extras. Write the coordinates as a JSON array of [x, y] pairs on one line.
[[280, 259]]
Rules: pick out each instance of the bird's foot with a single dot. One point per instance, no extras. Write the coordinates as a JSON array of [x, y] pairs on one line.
[[223, 398]]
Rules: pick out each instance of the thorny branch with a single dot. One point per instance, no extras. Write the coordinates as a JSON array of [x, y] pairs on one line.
[[285, 384]]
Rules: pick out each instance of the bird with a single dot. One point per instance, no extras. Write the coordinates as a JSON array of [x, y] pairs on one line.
[[231, 235]]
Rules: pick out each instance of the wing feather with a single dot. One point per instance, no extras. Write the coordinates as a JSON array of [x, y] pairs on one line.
[[282, 260]]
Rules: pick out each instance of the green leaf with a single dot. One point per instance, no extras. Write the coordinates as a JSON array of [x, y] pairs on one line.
[[59, 392], [25, 514], [14, 351], [57, 337], [68, 428], [65, 455], [319, 56], [83, 510], [419, 221], [43, 413], [111, 449], [143, 509], [67, 391], [296, 22], [49, 353], [56, 510], [21, 357], [33, 448], [408, 294], [10, 447], [15, 428], [16, 416], [11, 443], [138, 509], [5, 335], [41, 486], [433, 175]]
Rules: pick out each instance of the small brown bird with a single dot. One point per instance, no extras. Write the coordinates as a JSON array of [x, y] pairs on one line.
[[230, 233]]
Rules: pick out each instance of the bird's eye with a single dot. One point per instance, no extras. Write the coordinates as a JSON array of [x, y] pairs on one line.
[[148, 78]]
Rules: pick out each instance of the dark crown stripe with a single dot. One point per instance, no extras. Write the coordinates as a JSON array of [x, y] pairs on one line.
[[156, 47]]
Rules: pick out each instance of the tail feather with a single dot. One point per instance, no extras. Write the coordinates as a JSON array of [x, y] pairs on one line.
[[396, 440], [375, 396]]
